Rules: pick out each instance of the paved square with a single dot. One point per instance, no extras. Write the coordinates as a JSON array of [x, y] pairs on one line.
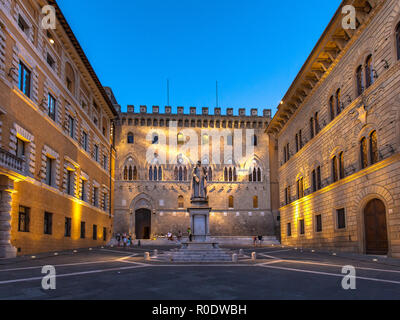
[[278, 273]]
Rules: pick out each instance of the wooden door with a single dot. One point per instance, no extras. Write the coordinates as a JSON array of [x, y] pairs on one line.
[[376, 237]]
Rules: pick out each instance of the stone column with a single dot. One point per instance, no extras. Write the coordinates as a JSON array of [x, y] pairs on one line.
[[6, 189]]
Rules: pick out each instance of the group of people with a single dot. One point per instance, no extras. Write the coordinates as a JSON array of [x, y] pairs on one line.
[[171, 236], [257, 240], [125, 240]]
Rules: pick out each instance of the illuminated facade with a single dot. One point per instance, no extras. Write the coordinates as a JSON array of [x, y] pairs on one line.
[[152, 195], [338, 136], [56, 156]]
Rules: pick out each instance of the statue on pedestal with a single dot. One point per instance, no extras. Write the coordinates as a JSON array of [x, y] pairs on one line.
[[199, 182]]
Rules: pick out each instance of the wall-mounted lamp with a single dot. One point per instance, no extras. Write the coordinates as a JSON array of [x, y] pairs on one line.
[[11, 70]]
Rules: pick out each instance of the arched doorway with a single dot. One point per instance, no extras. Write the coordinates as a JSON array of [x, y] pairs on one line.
[[142, 223], [376, 238]]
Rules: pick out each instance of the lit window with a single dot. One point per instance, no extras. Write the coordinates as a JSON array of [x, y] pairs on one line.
[[24, 79]]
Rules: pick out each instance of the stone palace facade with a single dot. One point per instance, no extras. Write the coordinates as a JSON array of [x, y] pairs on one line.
[[338, 136]]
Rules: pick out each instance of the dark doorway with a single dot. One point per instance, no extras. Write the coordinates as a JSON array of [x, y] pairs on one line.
[[142, 223], [376, 237]]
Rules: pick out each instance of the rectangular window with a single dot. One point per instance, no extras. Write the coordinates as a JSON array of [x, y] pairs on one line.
[[50, 61], [105, 201], [23, 219], [70, 183], [319, 181], [94, 232], [67, 228], [314, 181], [20, 148], [24, 80], [96, 152], [71, 122], [105, 162], [289, 230], [52, 107], [300, 188], [84, 140], [104, 234], [302, 227], [96, 197], [83, 230], [48, 223], [341, 218], [49, 171], [83, 190], [318, 223]]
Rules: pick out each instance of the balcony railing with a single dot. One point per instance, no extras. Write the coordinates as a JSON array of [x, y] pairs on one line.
[[11, 162]]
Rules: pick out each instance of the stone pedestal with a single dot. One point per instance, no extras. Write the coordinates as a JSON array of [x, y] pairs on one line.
[[6, 189], [200, 220]]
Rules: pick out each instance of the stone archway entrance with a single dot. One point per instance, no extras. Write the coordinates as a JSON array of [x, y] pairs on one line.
[[143, 223], [376, 237]]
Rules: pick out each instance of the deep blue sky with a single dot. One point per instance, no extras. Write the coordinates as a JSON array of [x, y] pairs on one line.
[[253, 48]]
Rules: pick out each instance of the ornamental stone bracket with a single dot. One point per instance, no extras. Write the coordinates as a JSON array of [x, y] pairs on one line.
[[6, 190]]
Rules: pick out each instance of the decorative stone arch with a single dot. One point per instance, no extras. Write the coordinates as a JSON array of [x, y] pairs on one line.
[[142, 201], [362, 199], [390, 29]]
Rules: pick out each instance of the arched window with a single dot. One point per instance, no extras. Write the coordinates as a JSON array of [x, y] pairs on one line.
[[155, 175], [338, 104], [180, 139], [250, 176], [398, 41], [369, 73], [300, 188], [255, 141], [230, 175], [331, 108], [230, 202], [205, 139], [125, 173], [341, 165], [363, 153], [180, 174], [151, 173], [135, 173], [130, 173], [181, 202], [154, 139], [176, 178], [312, 133], [259, 175], [373, 147], [226, 174], [210, 174], [70, 78], [185, 174], [316, 120], [360, 83], [130, 138], [255, 202], [334, 169], [230, 140], [234, 175], [254, 175]]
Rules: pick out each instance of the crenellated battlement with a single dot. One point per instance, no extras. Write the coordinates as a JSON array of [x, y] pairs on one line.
[[193, 111]]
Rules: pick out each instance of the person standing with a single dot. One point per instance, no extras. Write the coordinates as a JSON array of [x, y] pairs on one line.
[[190, 234]]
